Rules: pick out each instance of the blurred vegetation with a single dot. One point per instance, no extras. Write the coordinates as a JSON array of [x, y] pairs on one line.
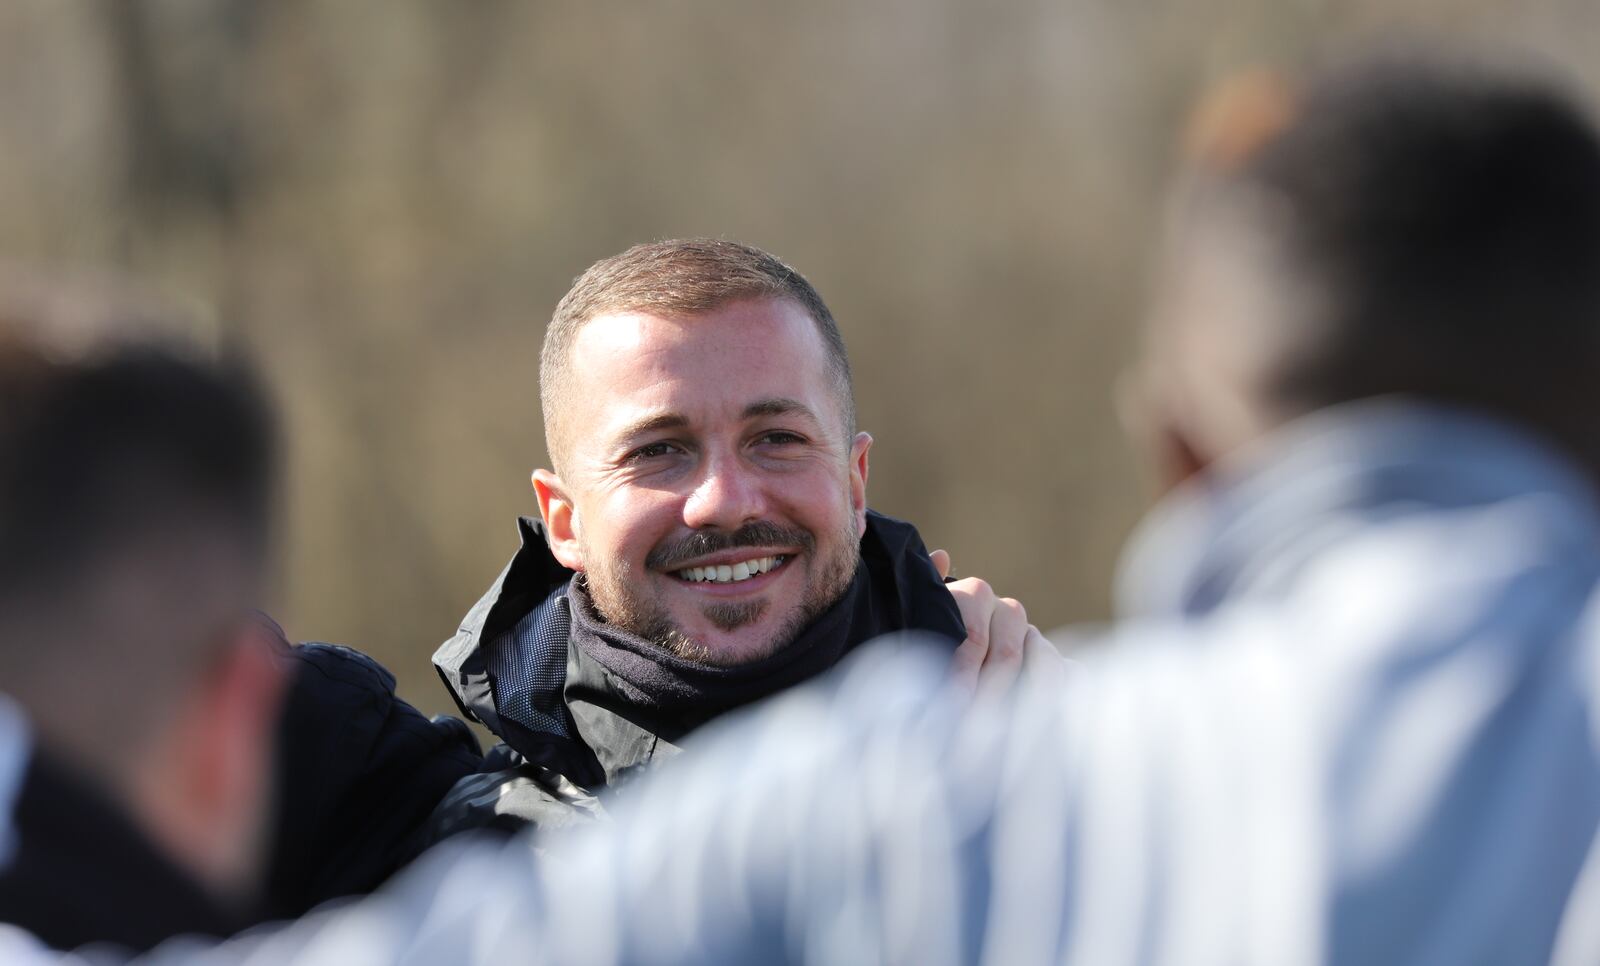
[[385, 198]]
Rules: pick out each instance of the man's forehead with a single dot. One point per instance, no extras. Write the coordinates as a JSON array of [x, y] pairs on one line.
[[762, 324], [715, 362]]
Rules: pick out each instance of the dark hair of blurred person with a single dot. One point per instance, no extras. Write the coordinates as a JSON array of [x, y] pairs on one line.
[[136, 482], [1406, 226]]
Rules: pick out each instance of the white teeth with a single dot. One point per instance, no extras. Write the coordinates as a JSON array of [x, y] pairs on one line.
[[727, 574]]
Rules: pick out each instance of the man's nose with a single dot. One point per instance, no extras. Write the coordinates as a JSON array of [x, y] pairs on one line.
[[730, 495]]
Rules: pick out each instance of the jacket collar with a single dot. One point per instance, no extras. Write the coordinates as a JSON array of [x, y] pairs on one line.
[[526, 582]]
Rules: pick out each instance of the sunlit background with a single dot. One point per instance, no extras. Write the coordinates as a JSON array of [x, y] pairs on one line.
[[383, 199]]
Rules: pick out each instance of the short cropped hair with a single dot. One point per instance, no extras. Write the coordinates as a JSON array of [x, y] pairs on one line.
[[1442, 220], [119, 441], [679, 277]]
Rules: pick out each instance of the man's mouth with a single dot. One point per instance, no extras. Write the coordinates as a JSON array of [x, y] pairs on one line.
[[731, 573]]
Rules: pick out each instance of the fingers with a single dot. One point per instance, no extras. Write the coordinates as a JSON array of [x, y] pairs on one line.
[[977, 602], [965, 666], [997, 636], [941, 563], [1008, 634], [1042, 660]]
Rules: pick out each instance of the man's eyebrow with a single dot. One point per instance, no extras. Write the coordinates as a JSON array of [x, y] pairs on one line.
[[779, 406], [652, 424]]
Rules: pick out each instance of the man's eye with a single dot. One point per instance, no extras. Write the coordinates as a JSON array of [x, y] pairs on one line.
[[780, 437], [650, 451]]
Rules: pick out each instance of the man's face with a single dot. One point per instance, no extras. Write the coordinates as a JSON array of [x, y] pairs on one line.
[[711, 496]]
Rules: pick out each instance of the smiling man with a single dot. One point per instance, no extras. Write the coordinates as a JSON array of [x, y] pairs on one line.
[[704, 539], [711, 487]]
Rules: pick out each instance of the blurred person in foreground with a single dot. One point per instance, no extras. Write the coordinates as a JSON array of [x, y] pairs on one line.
[[134, 483], [704, 539], [1349, 714], [140, 694]]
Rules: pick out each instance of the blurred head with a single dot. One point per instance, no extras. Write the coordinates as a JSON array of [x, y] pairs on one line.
[[1396, 227], [708, 482], [135, 483]]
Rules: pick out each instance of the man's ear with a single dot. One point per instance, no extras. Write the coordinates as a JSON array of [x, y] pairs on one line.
[[1154, 430], [560, 519], [243, 702], [207, 796], [1176, 460], [858, 480]]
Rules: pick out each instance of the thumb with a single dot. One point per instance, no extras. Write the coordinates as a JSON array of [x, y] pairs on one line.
[[941, 563]]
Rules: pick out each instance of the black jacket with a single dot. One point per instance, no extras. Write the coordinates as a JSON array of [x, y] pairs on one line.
[[571, 726], [359, 772]]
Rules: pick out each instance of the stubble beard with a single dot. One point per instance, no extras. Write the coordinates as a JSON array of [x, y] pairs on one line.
[[616, 601]]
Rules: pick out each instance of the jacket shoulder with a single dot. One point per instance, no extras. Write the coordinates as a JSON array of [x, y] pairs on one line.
[[893, 550], [359, 771]]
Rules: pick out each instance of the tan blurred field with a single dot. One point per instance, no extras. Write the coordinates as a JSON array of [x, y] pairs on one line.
[[385, 198]]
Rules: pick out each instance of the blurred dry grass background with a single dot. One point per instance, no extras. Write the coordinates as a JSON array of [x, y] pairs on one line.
[[385, 198]]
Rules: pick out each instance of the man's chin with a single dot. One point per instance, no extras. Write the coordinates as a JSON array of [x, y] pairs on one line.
[[710, 641], [734, 616]]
